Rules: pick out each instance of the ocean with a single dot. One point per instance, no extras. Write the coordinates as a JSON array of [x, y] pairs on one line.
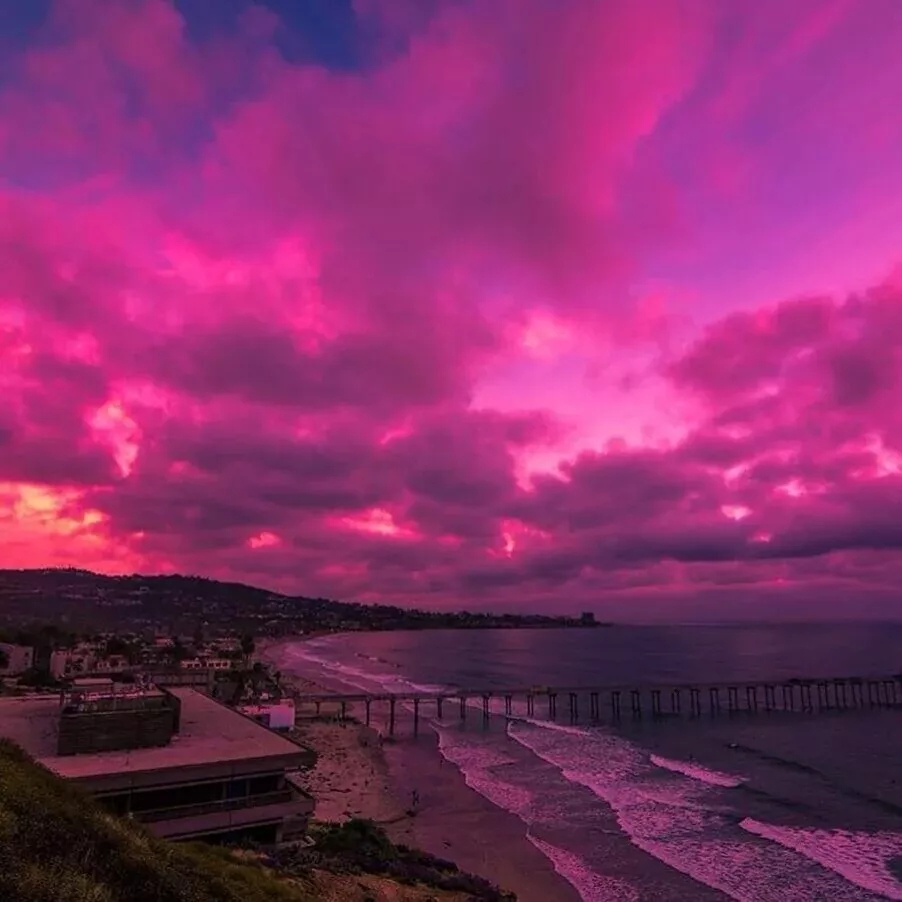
[[752, 807]]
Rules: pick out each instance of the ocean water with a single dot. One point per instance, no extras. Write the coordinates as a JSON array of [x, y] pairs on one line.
[[757, 807]]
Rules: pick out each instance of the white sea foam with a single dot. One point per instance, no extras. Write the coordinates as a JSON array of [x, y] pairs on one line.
[[680, 820], [476, 761], [673, 810], [862, 858], [592, 886], [697, 772], [363, 677]]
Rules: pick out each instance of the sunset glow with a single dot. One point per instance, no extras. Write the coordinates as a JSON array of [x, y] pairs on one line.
[[503, 303]]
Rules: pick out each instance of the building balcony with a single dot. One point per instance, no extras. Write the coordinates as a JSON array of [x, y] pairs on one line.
[[284, 808], [180, 811]]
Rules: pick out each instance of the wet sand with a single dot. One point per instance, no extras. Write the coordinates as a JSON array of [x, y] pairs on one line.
[[457, 823]]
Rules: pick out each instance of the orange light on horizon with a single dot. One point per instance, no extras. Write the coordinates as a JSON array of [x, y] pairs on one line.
[[42, 526]]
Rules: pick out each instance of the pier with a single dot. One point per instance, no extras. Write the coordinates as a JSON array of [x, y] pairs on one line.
[[613, 704]]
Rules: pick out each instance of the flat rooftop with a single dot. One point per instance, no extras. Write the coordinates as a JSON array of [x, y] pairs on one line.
[[209, 733]]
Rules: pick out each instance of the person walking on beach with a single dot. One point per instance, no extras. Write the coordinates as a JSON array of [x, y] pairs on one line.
[[415, 800]]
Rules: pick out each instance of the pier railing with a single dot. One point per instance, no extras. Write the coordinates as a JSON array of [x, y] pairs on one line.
[[612, 704]]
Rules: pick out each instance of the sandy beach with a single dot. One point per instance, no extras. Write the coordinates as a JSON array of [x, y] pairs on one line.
[[457, 823], [351, 777], [358, 774]]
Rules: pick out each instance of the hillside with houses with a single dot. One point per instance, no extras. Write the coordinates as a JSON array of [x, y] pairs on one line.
[[176, 604]]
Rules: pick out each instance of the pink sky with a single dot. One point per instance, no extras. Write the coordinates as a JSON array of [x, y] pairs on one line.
[[531, 304]]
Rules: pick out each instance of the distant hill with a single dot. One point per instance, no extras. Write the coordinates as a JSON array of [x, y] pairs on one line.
[[85, 600]]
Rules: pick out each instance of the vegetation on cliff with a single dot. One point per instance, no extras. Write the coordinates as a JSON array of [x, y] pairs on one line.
[[361, 847], [58, 845]]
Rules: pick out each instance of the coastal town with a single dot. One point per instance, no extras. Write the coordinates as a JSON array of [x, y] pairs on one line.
[[151, 606], [194, 734]]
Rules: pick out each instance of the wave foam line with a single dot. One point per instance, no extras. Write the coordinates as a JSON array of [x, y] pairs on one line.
[[591, 886], [861, 858], [698, 772], [678, 820]]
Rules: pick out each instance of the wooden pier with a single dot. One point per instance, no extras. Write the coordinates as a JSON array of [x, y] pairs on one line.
[[612, 704]]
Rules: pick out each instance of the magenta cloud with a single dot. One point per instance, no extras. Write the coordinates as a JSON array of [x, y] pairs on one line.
[[536, 305]]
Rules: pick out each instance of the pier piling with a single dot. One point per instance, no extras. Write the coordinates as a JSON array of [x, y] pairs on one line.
[[714, 700], [636, 703], [656, 703], [815, 696], [695, 702], [732, 699], [788, 701]]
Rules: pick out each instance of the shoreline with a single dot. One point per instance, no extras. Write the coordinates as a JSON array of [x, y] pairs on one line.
[[360, 774], [458, 823]]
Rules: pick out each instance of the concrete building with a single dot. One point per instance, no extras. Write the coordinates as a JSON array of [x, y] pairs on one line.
[[19, 658], [174, 759]]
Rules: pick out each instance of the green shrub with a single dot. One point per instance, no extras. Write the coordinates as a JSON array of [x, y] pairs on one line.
[[361, 847]]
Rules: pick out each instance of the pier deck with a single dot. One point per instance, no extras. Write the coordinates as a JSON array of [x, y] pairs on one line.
[[613, 703]]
